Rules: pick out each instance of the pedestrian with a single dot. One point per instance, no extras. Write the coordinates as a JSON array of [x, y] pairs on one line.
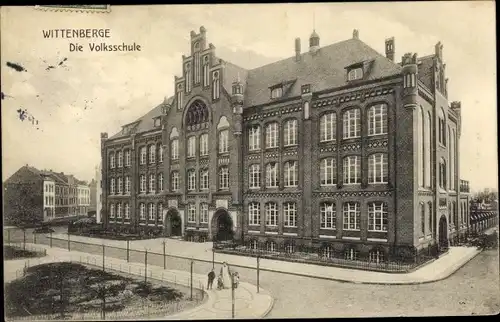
[[236, 279], [211, 277], [220, 284]]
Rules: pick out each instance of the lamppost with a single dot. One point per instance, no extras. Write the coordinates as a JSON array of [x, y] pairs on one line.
[[128, 247], [146, 266], [232, 294], [213, 254], [24, 238], [258, 271], [164, 254], [103, 257], [191, 284]]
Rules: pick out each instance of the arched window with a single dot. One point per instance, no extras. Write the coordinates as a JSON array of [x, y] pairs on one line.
[[160, 153], [352, 169], [377, 216], [421, 148], [254, 176], [290, 214], [272, 175], [352, 123], [191, 147], [254, 214], [254, 138], [143, 152], [120, 159], [160, 182], [224, 141], [142, 211], [272, 135], [291, 174], [119, 210], [191, 212], [442, 126], [197, 113], [377, 119], [378, 168], [271, 214], [174, 181], [188, 77], [224, 178], [152, 153], [215, 85], [204, 144], [328, 172], [191, 176], [290, 133], [442, 173], [206, 74], [151, 212], [427, 150], [204, 213], [127, 211], [152, 180], [328, 215]]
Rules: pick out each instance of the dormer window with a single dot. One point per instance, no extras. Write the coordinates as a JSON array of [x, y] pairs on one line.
[[306, 89], [157, 122], [277, 92], [354, 74]]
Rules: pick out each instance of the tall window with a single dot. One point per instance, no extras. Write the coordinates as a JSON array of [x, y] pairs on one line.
[[351, 216], [119, 210], [160, 182], [151, 212], [191, 212], [120, 186], [272, 135], [328, 215], [152, 187], [452, 160], [328, 127], [188, 77], [272, 175], [290, 132], [152, 153], [127, 184], [203, 213], [377, 119], [422, 219], [254, 176], [142, 211], [253, 214], [204, 144], [191, 148], [112, 160], [111, 211], [175, 181], [206, 74], [352, 124], [174, 149], [142, 183], [377, 168], [179, 97], [120, 159], [352, 169], [215, 85], [254, 138], [127, 211], [159, 213], [328, 171], [290, 214], [377, 216], [223, 141], [429, 205], [421, 148], [160, 153], [442, 174], [427, 150], [271, 214], [204, 179], [291, 174], [127, 158], [112, 186], [191, 180], [441, 127], [143, 155], [224, 178]]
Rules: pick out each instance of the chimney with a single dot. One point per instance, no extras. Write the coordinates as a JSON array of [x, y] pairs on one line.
[[297, 49], [355, 34], [390, 49]]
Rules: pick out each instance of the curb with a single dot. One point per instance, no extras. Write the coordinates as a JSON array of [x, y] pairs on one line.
[[269, 309]]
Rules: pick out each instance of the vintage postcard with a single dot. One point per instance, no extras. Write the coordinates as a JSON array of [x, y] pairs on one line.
[[247, 161]]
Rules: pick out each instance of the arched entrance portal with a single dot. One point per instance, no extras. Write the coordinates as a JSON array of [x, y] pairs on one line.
[[222, 226], [443, 232], [173, 223]]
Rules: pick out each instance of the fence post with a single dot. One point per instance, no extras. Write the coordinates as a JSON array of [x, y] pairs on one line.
[[128, 247], [146, 266], [258, 271], [164, 255], [103, 257], [51, 239], [69, 249], [24, 238], [191, 283]]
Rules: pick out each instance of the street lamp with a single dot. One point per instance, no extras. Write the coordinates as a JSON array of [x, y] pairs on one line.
[[146, 265], [164, 254]]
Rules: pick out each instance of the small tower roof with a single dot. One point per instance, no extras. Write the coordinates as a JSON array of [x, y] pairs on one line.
[[314, 34]]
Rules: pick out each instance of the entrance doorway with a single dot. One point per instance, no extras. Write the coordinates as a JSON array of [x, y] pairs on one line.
[[223, 226], [173, 223], [443, 232]]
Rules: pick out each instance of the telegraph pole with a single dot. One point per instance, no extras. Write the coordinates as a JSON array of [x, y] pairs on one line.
[[146, 266], [192, 262], [68, 243], [128, 247], [164, 254]]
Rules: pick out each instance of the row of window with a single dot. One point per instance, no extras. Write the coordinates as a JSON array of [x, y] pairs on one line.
[[122, 158], [49, 200], [377, 215], [49, 188]]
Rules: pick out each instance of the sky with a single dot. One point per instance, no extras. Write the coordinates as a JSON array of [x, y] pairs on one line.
[[87, 93]]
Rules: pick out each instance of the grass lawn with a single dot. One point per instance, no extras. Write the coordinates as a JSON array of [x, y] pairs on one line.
[[47, 290], [10, 252]]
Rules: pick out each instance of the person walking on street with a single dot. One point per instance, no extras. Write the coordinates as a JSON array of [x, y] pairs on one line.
[[211, 278]]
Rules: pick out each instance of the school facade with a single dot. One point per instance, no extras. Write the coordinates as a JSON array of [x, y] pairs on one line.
[[338, 147]]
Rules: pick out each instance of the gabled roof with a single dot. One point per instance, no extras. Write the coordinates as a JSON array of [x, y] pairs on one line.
[[323, 70], [146, 122], [425, 72]]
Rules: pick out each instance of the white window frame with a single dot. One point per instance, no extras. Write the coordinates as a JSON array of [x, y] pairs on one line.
[[378, 168], [127, 211], [355, 73], [328, 215], [127, 158], [289, 214], [351, 217], [119, 185], [254, 176], [377, 119], [160, 153], [254, 138], [120, 159], [127, 185], [119, 210], [378, 216], [271, 214], [174, 149], [204, 179], [328, 127], [143, 152], [291, 132], [159, 212], [175, 180], [112, 186], [152, 182], [277, 92], [204, 213], [191, 147], [204, 144], [272, 135], [142, 183], [160, 182], [224, 178], [112, 161], [352, 123], [291, 173], [328, 171], [223, 141], [191, 180], [272, 175], [191, 213], [111, 211], [376, 255], [352, 169], [254, 214], [151, 212]]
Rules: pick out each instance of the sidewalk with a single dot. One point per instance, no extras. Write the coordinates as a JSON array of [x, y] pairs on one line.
[[434, 271], [248, 303]]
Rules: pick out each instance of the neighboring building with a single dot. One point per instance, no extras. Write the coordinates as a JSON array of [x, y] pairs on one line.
[[339, 148], [83, 198], [93, 197], [98, 194]]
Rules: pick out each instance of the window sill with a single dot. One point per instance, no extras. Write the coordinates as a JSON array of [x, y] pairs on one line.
[[351, 229], [330, 229], [375, 135]]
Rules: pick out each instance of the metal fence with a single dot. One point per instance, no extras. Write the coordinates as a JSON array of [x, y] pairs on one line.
[[38, 251], [192, 286]]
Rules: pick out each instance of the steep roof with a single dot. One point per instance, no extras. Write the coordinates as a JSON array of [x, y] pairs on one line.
[[323, 70], [146, 122]]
